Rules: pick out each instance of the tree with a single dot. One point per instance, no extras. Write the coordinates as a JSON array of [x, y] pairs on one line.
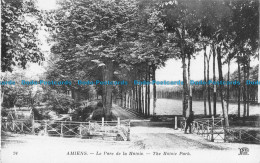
[[214, 79], [205, 74], [245, 28], [20, 24], [215, 25], [180, 19], [97, 31]]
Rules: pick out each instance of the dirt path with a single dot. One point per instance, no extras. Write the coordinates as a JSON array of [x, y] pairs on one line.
[[123, 114], [146, 140], [167, 138]]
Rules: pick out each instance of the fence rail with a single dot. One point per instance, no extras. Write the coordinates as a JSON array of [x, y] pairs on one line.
[[120, 130], [213, 129]]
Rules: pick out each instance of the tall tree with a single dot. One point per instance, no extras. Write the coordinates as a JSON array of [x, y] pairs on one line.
[[208, 85], [98, 31], [205, 79], [214, 79], [20, 23], [180, 20], [245, 28], [239, 88], [224, 110]]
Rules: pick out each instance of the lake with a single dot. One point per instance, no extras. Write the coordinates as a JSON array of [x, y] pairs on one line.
[[174, 107]]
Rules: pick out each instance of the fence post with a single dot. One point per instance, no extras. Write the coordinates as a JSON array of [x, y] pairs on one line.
[[175, 124], [22, 127], [33, 130], [13, 125], [208, 129], [88, 126], [6, 125], [102, 121], [212, 129], [184, 124], [128, 132], [80, 130], [225, 132], [45, 128], [240, 136], [61, 129], [196, 127], [118, 121]]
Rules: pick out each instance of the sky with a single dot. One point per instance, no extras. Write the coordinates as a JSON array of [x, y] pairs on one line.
[[171, 72], [47, 4], [173, 69]]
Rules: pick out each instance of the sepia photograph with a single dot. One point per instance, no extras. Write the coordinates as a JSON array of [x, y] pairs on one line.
[[112, 81]]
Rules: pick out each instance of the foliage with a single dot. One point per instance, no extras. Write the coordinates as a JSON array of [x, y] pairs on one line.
[[19, 28], [60, 103], [17, 94]]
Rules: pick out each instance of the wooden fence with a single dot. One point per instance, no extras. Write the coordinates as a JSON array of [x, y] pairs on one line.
[[120, 130], [213, 129]]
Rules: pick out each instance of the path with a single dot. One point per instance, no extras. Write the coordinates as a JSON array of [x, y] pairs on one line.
[[144, 139], [124, 114]]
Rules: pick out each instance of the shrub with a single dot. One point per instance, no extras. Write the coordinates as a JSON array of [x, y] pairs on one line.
[[98, 114]]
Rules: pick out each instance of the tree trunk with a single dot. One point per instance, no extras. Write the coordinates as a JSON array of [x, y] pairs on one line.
[[136, 98], [228, 87], [134, 94], [148, 93], [209, 101], [190, 87], [143, 99], [130, 99], [125, 100], [244, 90], [247, 90], [258, 97], [239, 88], [122, 98], [1, 96], [214, 79], [225, 115], [154, 90], [107, 94], [139, 99], [204, 89], [185, 88]]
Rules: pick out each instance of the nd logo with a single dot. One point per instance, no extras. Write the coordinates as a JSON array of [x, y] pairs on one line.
[[243, 151]]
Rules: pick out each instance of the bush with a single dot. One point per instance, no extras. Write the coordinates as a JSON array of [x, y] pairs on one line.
[[98, 114], [60, 103], [82, 113]]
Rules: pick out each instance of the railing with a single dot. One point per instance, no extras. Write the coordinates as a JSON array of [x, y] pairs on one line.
[[242, 136], [213, 129], [118, 129], [210, 128]]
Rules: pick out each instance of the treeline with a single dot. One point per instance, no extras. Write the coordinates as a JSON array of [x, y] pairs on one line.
[[198, 90], [137, 97]]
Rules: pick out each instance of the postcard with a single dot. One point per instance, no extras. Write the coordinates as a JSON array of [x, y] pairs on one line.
[[112, 81]]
